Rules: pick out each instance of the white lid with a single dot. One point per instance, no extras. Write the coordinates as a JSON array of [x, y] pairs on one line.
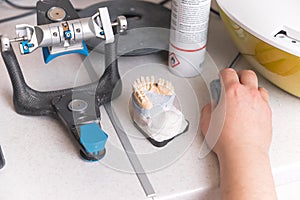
[[264, 19]]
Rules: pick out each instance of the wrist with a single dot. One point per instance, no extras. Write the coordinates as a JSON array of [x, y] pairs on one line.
[[246, 174], [241, 153]]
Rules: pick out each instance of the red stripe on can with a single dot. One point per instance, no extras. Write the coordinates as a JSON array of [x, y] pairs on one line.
[[187, 50]]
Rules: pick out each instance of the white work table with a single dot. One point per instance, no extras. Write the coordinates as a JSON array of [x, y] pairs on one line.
[[43, 162]]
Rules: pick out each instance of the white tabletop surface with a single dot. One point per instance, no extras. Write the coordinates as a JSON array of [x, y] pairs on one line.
[[43, 162]]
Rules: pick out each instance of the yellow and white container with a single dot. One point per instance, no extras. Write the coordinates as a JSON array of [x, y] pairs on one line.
[[267, 33]]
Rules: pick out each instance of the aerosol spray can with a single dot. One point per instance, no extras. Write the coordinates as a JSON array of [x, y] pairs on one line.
[[188, 36]]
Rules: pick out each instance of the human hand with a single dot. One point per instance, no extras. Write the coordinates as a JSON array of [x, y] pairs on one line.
[[245, 112]]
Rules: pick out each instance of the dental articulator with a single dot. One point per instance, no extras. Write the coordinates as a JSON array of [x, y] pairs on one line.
[[60, 31]]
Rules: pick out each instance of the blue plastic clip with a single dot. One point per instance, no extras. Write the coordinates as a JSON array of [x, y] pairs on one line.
[[92, 137], [48, 57], [25, 46]]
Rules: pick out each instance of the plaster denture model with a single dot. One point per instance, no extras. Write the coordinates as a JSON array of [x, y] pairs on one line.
[[153, 110]]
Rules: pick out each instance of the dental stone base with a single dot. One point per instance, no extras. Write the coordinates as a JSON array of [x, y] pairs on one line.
[[153, 110]]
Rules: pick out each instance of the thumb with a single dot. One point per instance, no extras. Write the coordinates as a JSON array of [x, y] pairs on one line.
[[205, 118]]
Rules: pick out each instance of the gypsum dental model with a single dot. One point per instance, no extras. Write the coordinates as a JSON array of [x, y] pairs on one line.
[[153, 110]]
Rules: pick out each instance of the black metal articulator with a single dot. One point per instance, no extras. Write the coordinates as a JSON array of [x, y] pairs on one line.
[[77, 108], [60, 31]]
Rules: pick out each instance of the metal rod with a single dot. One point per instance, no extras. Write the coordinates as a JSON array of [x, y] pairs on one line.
[[111, 58], [129, 150], [2, 159]]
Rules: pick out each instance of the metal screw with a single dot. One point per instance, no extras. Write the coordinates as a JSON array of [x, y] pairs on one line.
[[56, 14], [78, 105]]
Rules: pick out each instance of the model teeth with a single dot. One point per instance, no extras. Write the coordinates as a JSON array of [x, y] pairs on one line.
[[148, 84], [143, 84], [142, 99], [165, 87], [152, 80], [153, 111]]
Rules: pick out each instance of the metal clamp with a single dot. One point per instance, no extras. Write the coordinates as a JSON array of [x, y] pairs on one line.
[[64, 37]]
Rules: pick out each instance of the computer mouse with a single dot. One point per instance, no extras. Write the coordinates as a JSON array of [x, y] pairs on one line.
[[215, 90]]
